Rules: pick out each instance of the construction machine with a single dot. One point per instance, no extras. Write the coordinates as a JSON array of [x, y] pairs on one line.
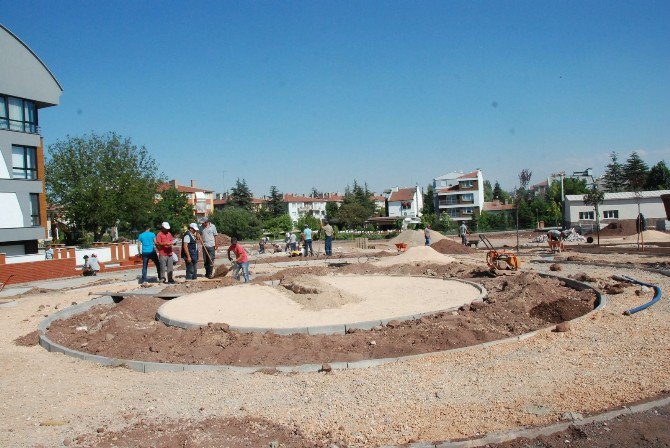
[[500, 262]]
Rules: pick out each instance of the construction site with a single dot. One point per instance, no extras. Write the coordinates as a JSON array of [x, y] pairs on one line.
[[399, 344]]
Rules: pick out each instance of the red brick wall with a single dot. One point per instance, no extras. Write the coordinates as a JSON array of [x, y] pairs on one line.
[[38, 270]]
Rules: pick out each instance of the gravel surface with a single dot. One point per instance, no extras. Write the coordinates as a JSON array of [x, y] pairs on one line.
[[602, 362]]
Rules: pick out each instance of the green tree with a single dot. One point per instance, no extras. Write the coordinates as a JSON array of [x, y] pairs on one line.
[[311, 221], [237, 221], [101, 180], [488, 191], [331, 210], [614, 179], [174, 208], [276, 205], [429, 200], [240, 195], [278, 225], [497, 191], [635, 172], [353, 215], [659, 177], [595, 197], [315, 193]]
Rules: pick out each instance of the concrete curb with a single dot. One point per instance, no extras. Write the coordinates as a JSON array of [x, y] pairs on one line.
[[147, 366], [332, 329], [530, 433], [605, 265]]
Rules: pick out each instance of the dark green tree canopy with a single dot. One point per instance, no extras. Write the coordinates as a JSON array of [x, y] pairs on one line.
[[174, 208], [614, 179], [236, 221], [488, 191], [429, 200], [240, 195], [102, 180], [659, 177], [635, 172], [276, 205]]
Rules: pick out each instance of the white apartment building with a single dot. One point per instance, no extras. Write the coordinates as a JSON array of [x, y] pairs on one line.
[[459, 195], [405, 202], [304, 205], [616, 207]]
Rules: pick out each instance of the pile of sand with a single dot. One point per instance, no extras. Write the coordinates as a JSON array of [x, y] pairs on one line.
[[417, 254], [650, 236], [416, 237], [311, 293]]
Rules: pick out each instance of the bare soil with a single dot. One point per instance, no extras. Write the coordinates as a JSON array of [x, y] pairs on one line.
[[447, 246], [645, 429], [28, 340], [515, 305], [213, 432]]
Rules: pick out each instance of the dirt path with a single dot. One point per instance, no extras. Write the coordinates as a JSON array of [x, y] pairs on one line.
[[603, 362]]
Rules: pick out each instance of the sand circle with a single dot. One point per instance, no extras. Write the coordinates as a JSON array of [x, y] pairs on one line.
[[318, 305]]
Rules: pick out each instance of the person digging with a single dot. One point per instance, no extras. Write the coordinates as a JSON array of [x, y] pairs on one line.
[[241, 260]]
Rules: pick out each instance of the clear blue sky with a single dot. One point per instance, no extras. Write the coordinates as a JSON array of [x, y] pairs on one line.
[[313, 93]]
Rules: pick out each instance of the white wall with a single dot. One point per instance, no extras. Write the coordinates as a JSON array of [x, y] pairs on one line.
[[11, 215], [651, 208], [104, 255]]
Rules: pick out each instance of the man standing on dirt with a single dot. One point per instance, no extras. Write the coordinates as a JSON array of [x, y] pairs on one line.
[[307, 233], [208, 233], [293, 241], [241, 260], [328, 230], [189, 251], [426, 234], [164, 242], [463, 232], [146, 246]]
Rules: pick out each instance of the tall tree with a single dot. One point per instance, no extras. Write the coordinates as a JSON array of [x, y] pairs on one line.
[[101, 180], [595, 197], [429, 200], [237, 221], [488, 191], [276, 204], [635, 172], [614, 179], [521, 197], [240, 195], [315, 193], [174, 208], [659, 177], [497, 191]]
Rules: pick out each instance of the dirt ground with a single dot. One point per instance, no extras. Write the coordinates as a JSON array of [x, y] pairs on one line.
[[603, 362], [645, 429], [515, 305]]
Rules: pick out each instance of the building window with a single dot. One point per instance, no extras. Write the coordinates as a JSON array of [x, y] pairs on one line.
[[611, 214], [468, 197], [35, 209], [466, 184], [586, 216], [453, 212], [467, 211], [449, 200], [17, 114], [24, 162]]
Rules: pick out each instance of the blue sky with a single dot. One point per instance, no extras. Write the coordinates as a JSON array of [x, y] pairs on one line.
[[303, 94]]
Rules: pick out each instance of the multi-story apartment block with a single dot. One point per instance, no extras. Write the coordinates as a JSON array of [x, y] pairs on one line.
[[459, 195], [405, 202], [306, 205], [26, 87], [201, 199]]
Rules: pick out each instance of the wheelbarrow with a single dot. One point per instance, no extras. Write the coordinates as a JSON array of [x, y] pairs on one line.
[[402, 247]]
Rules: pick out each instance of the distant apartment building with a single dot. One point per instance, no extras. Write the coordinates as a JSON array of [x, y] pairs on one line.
[[540, 189], [256, 203], [201, 198], [459, 195], [26, 87], [299, 205], [405, 203]]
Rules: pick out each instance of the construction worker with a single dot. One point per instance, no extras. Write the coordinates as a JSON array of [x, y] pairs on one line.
[[241, 260], [164, 241], [189, 251], [463, 232], [208, 233], [146, 246], [426, 234], [307, 235], [328, 230], [554, 235]]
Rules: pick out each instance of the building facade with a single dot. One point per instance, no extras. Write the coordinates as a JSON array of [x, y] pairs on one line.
[[459, 195], [616, 207], [306, 205], [26, 87], [201, 199], [405, 203]]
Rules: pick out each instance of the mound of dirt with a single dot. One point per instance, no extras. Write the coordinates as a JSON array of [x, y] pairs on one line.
[[650, 236], [28, 340], [561, 310], [417, 254], [447, 246], [416, 237]]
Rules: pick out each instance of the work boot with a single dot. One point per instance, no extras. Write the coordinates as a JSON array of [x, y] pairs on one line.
[[170, 279]]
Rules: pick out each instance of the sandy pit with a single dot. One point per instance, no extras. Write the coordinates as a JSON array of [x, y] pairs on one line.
[[348, 299], [418, 254]]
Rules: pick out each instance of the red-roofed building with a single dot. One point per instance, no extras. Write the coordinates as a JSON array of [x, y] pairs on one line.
[[256, 203], [459, 194], [540, 189], [405, 202], [201, 199]]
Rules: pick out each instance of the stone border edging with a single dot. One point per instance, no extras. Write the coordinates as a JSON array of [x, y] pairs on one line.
[[605, 265], [148, 366], [336, 328], [532, 432]]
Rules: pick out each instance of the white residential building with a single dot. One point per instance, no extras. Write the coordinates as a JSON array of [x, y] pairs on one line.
[[459, 195], [405, 202], [304, 205], [616, 207]]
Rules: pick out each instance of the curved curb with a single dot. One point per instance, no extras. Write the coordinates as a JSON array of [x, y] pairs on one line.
[[336, 328], [148, 366], [605, 265], [532, 432]]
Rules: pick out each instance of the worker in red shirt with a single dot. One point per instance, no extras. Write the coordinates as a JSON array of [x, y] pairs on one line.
[[241, 260]]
